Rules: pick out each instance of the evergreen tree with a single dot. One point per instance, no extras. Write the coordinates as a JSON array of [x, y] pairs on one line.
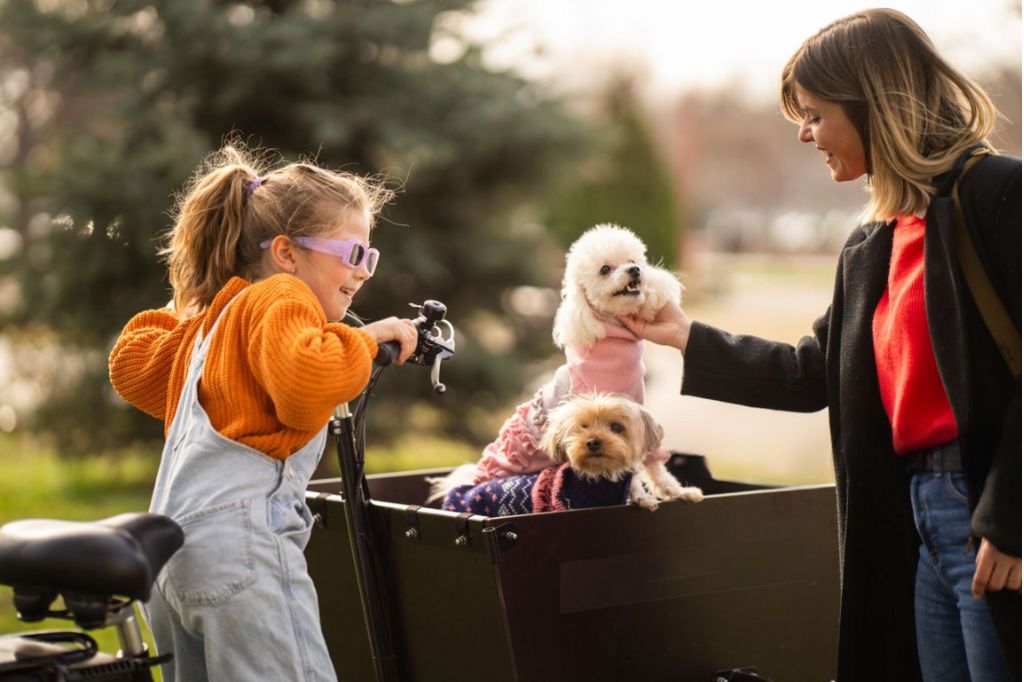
[[122, 98], [626, 181]]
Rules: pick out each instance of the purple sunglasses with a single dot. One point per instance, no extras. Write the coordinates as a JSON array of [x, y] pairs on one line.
[[352, 252]]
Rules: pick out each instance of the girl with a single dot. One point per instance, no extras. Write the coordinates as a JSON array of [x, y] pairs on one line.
[[245, 373], [925, 416]]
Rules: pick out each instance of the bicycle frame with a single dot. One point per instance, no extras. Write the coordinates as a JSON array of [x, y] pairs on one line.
[[432, 347]]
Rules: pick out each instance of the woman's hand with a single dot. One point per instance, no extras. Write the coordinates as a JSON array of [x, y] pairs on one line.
[[670, 327], [394, 329], [994, 571]]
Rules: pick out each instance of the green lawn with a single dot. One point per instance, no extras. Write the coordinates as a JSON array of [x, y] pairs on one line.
[[36, 483], [760, 298]]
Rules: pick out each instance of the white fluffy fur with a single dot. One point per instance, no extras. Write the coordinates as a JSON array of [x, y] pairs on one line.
[[589, 295], [464, 474]]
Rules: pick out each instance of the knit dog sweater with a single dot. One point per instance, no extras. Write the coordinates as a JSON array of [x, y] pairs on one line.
[[613, 364], [556, 488]]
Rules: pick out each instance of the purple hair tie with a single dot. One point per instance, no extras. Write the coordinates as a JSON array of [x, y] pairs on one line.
[[251, 187]]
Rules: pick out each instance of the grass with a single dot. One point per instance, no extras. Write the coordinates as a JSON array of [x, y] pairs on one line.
[[35, 482], [773, 297], [413, 453]]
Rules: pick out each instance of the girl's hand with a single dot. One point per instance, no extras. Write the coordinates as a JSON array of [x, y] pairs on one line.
[[670, 327], [994, 571], [394, 329]]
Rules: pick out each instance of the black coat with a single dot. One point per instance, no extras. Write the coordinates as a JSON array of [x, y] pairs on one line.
[[835, 368]]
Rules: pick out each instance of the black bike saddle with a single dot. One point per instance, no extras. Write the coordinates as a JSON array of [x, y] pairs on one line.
[[119, 556]]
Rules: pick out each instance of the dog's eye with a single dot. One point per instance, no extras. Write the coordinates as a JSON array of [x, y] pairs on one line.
[[617, 427], [605, 269]]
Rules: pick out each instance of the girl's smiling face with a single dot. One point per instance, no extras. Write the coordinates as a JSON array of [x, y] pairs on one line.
[[833, 133], [333, 281]]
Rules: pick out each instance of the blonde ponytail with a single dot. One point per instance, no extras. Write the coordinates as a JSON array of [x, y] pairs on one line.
[[233, 203], [202, 254]]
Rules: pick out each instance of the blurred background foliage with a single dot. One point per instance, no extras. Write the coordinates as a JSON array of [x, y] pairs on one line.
[[628, 181], [113, 103], [107, 106]]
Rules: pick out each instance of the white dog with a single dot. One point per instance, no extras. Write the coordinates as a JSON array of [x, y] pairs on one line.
[[606, 276], [603, 435]]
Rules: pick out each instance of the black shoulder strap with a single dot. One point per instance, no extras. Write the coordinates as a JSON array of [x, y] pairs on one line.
[[992, 311]]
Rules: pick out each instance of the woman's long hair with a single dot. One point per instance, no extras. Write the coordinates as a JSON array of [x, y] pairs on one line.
[[234, 201], [915, 113]]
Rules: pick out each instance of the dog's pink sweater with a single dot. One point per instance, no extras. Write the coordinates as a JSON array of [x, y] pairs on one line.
[[614, 364]]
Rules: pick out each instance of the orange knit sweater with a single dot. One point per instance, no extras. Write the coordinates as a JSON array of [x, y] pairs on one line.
[[274, 373]]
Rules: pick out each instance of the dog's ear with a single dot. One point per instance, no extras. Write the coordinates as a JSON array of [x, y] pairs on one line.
[[653, 433], [660, 287], [560, 423], [575, 322]]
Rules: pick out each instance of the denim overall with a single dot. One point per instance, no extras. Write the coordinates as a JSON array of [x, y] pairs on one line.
[[236, 602]]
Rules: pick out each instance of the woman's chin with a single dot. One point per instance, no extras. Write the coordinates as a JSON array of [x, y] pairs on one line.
[[844, 174]]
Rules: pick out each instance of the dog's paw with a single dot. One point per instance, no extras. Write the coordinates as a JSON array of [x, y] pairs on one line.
[[646, 501], [641, 495], [690, 494]]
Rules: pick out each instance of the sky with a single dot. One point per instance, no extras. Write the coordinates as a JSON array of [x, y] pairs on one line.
[[679, 44]]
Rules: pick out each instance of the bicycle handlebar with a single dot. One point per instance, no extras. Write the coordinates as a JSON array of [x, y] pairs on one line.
[[433, 346], [387, 353]]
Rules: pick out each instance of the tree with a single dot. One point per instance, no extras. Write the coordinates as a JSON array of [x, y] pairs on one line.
[[625, 181], [123, 98]]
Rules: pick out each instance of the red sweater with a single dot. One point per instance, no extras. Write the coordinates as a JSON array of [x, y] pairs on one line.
[[912, 391]]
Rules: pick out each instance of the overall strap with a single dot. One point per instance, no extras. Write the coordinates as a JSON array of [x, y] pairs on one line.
[[999, 324], [203, 339]]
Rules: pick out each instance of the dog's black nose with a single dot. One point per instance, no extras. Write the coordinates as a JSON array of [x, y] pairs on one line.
[[594, 444], [634, 271]]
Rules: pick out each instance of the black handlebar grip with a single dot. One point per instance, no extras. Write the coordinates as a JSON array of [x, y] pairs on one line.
[[387, 353]]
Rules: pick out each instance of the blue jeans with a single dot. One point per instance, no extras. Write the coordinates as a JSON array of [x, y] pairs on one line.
[[956, 639]]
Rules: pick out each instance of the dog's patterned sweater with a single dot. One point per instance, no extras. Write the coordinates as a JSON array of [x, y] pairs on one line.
[[614, 364], [553, 489]]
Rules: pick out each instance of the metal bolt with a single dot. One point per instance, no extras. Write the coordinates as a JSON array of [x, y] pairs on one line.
[[318, 520], [461, 540], [511, 537], [412, 533]]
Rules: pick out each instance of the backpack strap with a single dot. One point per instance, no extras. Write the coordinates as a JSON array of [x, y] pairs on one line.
[[999, 324]]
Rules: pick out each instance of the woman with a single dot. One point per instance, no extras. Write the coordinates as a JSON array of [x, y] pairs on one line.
[[924, 414]]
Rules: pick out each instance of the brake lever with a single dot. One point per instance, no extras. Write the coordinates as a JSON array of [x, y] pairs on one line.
[[435, 342]]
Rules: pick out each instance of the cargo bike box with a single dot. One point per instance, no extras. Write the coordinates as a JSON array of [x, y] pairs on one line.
[[747, 578]]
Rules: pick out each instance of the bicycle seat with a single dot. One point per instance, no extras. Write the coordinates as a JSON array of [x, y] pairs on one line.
[[119, 556]]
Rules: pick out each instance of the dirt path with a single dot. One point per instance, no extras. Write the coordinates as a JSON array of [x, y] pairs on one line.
[[774, 297]]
